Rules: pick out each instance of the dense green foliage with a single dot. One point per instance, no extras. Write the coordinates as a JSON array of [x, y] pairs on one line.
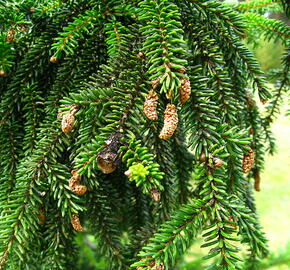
[[76, 141]]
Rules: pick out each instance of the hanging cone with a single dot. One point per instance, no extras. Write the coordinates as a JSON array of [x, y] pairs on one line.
[[184, 90], [150, 105], [155, 194], [68, 119], [257, 181], [74, 184], [67, 123], [170, 122], [10, 36], [248, 161], [53, 60], [75, 222]]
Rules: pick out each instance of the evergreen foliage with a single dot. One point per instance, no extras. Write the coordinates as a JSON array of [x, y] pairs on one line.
[[135, 123]]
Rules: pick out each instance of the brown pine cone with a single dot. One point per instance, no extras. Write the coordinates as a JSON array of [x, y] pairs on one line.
[[10, 36], [75, 222], [150, 105], [2, 73], [68, 119], [67, 123], [248, 161], [53, 59], [158, 267], [257, 181], [184, 90], [170, 122], [155, 194], [155, 82], [74, 184]]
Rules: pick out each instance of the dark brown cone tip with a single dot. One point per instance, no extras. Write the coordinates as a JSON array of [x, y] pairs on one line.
[[106, 166]]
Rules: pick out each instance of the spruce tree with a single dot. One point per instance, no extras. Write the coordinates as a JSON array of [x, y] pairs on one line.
[[136, 123]]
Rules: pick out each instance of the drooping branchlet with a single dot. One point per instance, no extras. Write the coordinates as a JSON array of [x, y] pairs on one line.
[[75, 222], [108, 158], [170, 122], [248, 161], [150, 105]]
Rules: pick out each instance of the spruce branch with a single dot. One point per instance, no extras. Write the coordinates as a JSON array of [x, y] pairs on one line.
[[164, 45], [184, 225], [71, 126], [260, 6], [271, 28], [74, 31], [30, 185]]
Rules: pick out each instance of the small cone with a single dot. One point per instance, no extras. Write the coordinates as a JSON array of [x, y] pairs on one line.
[[203, 157], [10, 36], [68, 119], [257, 181], [248, 161], [75, 222], [184, 90], [155, 82], [158, 267], [2, 73], [217, 162], [74, 184], [53, 59], [170, 122], [108, 159], [80, 189], [106, 164], [140, 55], [155, 194], [67, 123], [150, 105]]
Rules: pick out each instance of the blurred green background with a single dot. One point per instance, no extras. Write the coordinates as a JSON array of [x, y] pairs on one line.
[[273, 201]]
